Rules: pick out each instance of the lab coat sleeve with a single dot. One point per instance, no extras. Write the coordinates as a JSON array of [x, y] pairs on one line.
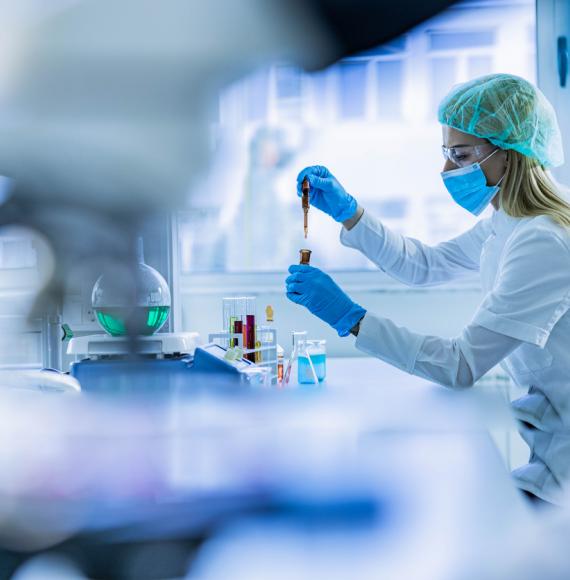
[[452, 362], [532, 289], [412, 262]]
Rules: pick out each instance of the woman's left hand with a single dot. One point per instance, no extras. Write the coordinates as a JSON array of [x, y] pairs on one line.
[[320, 294]]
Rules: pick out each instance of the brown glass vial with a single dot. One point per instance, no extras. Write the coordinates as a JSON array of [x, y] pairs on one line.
[[305, 257]]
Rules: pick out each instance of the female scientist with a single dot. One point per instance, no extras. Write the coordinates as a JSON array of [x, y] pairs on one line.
[[500, 135]]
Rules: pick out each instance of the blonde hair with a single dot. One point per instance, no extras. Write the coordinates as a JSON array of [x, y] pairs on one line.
[[528, 190]]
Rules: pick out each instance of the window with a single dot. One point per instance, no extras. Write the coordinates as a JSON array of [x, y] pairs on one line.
[[257, 87], [352, 89], [390, 88], [459, 56], [23, 260], [370, 119], [459, 40], [553, 22], [478, 66], [443, 74], [289, 92], [288, 83]]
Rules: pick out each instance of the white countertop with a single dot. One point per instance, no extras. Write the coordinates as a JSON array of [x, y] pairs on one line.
[[398, 399]]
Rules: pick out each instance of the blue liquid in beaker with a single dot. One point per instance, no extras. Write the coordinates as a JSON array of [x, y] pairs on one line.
[[304, 373]]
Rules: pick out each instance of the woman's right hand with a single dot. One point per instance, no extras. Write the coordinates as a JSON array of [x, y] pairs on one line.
[[327, 194]]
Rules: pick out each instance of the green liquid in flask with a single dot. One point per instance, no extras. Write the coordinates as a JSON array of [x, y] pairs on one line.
[[142, 319]]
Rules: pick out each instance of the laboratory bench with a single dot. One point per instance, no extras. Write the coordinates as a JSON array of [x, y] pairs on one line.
[[486, 402], [390, 463]]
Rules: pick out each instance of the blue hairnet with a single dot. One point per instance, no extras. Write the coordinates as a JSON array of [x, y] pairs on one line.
[[508, 111]]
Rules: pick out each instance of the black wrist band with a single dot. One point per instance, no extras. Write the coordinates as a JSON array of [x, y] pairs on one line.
[[356, 328]]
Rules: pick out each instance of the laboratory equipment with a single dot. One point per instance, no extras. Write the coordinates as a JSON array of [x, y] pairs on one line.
[[40, 381], [239, 319], [305, 188], [165, 362], [312, 361], [295, 338], [280, 360], [173, 362], [266, 343], [255, 377], [305, 257], [327, 194], [258, 344], [464, 155], [142, 314], [298, 340]]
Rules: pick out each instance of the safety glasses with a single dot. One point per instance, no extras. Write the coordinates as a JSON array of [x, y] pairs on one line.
[[464, 155]]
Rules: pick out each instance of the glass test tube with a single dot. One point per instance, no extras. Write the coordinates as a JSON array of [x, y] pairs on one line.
[[298, 339], [239, 313], [235, 312], [249, 331], [280, 368], [228, 317], [265, 338], [242, 327]]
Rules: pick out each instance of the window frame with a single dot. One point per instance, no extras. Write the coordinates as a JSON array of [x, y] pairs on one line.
[[553, 20]]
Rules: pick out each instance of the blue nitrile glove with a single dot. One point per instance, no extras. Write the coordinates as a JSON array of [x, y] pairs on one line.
[[318, 292], [327, 194]]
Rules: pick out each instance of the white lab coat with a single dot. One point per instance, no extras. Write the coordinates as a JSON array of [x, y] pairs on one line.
[[523, 323]]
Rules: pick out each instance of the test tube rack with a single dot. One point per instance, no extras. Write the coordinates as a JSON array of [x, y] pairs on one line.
[[266, 353]]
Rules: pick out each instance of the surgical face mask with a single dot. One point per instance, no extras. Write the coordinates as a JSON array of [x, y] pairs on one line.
[[468, 186]]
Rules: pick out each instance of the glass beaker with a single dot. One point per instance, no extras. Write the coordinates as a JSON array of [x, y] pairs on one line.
[[312, 360]]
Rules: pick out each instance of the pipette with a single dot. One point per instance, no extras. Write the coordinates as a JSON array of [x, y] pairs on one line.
[[305, 188]]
